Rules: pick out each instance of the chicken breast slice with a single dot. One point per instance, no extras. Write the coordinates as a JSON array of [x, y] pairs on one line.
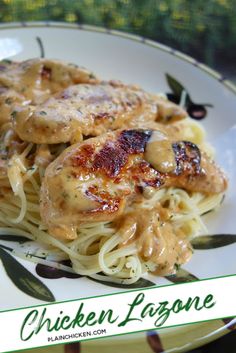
[[35, 80], [98, 179], [90, 110]]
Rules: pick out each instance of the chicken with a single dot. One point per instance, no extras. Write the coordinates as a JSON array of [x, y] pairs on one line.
[[33, 81], [97, 180], [90, 110]]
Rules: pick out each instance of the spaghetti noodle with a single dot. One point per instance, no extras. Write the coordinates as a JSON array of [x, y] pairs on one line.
[[154, 236], [99, 246]]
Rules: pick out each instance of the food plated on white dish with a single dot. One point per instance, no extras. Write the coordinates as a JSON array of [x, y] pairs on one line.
[[67, 249]]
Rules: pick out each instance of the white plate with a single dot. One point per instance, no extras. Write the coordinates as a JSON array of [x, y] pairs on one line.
[[132, 59]]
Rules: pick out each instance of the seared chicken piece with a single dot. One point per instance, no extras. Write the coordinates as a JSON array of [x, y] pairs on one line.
[[91, 110], [33, 81], [98, 179]]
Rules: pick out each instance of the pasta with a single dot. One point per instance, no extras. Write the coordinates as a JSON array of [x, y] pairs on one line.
[[102, 249]]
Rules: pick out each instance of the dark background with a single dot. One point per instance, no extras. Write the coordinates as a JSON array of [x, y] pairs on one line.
[[204, 29]]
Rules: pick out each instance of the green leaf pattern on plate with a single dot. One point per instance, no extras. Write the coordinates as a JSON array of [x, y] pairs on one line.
[[24, 280], [182, 276], [17, 238], [30, 285], [207, 242], [175, 85]]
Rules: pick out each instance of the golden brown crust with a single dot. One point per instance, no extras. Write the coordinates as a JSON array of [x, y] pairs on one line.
[[96, 180]]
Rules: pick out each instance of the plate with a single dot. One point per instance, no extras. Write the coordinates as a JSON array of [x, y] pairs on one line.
[[157, 68]]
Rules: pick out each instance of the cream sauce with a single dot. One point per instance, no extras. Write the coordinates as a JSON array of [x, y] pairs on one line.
[[34, 81], [155, 238], [159, 152], [84, 109], [98, 180]]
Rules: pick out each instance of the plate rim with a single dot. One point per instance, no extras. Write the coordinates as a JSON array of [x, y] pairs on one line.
[[137, 38]]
